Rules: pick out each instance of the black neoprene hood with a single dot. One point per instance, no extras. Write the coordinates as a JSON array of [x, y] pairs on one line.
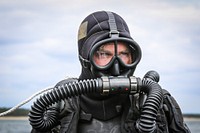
[[99, 27]]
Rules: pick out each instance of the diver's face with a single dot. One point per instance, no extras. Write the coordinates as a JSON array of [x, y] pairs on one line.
[[107, 51]]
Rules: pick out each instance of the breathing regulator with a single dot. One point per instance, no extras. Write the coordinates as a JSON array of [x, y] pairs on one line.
[[105, 86]]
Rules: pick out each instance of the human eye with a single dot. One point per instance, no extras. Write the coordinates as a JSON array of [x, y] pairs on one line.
[[124, 54], [104, 54]]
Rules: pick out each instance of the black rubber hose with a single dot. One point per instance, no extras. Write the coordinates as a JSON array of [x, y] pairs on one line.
[[147, 121], [42, 119], [153, 75]]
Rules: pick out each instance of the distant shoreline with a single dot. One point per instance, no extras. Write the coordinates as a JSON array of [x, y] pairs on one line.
[[14, 118], [26, 118], [191, 118]]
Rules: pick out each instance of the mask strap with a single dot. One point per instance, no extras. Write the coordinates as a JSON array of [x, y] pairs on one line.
[[113, 27], [85, 63]]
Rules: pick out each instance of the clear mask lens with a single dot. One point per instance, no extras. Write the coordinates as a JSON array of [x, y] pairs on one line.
[[106, 53]]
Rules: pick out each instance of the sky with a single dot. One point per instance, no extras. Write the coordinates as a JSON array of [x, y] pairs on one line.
[[38, 44]]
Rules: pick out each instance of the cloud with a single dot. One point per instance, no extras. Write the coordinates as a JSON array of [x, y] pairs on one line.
[[38, 43]]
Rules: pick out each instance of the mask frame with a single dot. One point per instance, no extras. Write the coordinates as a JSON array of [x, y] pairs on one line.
[[131, 43]]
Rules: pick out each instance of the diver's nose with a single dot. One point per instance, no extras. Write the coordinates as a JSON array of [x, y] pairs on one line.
[[115, 69]]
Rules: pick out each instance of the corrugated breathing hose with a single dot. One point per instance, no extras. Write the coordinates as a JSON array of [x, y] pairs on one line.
[[43, 120], [147, 121]]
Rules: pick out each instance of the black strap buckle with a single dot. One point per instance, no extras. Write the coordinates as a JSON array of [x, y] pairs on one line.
[[113, 33]]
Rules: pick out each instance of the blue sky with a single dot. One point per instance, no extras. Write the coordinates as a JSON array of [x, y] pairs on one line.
[[38, 44]]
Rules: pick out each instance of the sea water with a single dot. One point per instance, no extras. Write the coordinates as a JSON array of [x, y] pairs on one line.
[[15, 126], [23, 126], [194, 125]]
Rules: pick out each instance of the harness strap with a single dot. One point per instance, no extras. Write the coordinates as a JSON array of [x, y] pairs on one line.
[[113, 27]]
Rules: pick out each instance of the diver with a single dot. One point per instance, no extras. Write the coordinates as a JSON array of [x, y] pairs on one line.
[[106, 48]]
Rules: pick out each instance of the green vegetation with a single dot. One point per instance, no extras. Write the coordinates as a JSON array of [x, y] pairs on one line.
[[192, 115], [18, 112]]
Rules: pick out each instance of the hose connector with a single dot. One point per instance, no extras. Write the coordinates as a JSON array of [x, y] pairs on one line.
[[114, 85], [105, 86]]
